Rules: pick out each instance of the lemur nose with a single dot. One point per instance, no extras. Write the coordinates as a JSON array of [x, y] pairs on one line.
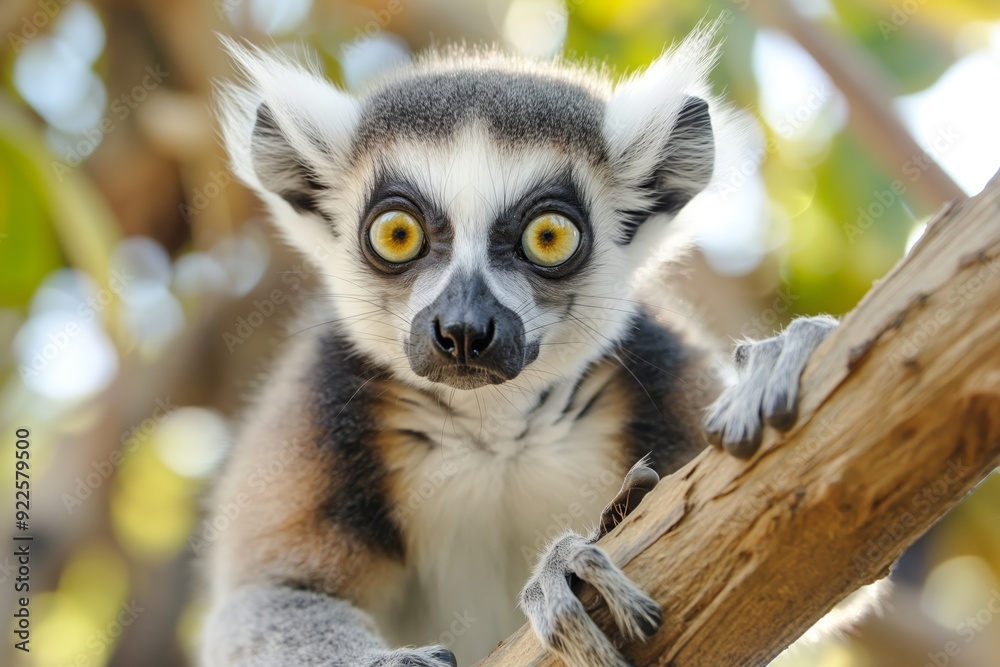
[[464, 341]]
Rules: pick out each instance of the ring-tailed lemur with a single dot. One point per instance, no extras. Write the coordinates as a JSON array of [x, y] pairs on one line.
[[483, 376]]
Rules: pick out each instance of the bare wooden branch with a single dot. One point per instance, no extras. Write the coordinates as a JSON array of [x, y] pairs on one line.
[[900, 420]]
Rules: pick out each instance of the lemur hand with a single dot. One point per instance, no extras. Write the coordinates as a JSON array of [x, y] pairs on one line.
[[557, 615], [428, 656], [768, 386]]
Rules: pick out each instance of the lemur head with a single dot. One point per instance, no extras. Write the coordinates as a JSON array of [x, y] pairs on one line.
[[477, 219]]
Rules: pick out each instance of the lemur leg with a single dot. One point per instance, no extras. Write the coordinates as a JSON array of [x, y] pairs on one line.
[[277, 626], [767, 389], [557, 615]]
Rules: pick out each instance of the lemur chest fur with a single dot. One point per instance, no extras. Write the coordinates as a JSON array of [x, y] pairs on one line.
[[461, 490], [484, 492]]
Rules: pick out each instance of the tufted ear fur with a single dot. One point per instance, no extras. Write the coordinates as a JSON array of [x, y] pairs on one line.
[[659, 133], [287, 131]]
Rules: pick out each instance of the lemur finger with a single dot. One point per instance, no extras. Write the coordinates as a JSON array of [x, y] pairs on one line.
[[735, 421], [444, 655], [426, 656], [714, 424], [639, 481], [563, 626], [636, 614], [800, 340]]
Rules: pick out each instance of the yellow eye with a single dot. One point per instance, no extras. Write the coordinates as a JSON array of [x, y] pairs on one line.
[[550, 240], [396, 237]]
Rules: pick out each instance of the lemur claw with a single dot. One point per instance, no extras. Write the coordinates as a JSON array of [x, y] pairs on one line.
[[559, 618], [639, 481], [767, 390]]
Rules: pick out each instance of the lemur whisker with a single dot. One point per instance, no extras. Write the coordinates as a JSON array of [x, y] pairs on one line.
[[344, 295], [449, 414], [633, 355], [327, 323], [615, 356], [643, 304], [500, 393], [347, 280], [346, 318]]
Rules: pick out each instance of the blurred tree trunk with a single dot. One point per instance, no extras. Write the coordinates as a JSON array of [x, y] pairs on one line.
[[869, 90], [900, 419]]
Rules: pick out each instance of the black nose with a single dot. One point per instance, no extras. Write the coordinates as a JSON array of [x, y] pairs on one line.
[[464, 341]]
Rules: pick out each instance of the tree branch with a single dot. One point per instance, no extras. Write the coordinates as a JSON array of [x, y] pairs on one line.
[[900, 419]]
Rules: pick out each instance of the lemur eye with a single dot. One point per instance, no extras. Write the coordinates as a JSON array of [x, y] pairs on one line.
[[550, 239], [396, 236]]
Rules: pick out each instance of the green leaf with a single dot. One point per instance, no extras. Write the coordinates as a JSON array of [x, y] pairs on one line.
[[28, 247]]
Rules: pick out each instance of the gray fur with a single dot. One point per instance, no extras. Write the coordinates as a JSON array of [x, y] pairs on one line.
[[276, 626], [518, 108], [767, 390]]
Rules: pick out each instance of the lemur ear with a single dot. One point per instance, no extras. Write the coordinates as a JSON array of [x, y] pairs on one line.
[[659, 133], [280, 168], [287, 129]]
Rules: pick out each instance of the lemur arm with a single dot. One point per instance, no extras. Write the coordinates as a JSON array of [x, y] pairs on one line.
[[297, 532], [279, 626]]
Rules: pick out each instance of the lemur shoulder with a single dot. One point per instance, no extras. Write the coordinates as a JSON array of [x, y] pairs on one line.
[[482, 373]]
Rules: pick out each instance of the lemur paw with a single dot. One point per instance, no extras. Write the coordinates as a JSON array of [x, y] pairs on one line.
[[767, 388], [557, 615], [427, 656]]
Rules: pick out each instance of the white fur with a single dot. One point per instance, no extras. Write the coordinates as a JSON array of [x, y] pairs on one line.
[[643, 108], [523, 492]]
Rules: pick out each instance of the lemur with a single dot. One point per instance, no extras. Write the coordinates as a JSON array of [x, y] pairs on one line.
[[446, 443]]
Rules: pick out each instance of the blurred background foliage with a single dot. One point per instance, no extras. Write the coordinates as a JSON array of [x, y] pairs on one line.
[[136, 279]]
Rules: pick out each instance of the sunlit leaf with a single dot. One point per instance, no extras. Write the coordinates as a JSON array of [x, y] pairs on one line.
[[28, 248]]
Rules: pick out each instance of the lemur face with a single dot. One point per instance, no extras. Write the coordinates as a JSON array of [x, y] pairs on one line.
[[481, 218]]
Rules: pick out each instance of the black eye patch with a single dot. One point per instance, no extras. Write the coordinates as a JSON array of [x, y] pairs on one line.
[[557, 194], [392, 192]]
